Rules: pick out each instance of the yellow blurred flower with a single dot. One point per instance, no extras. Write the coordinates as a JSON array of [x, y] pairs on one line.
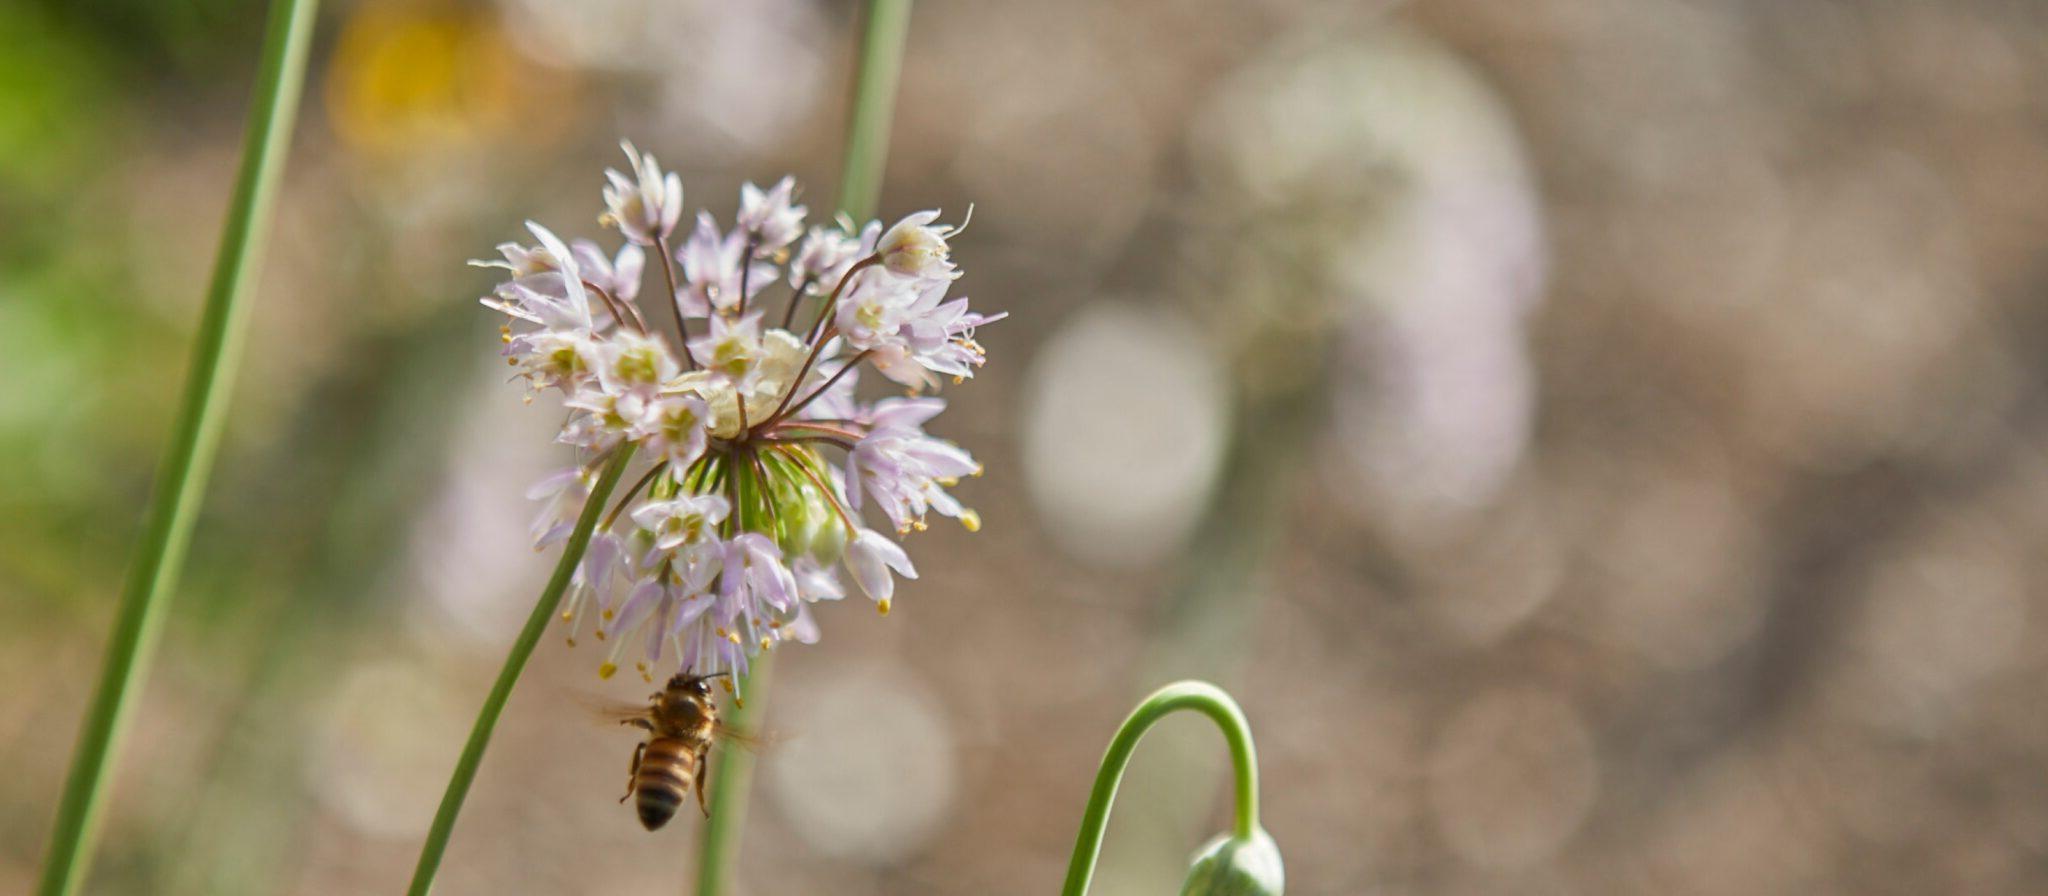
[[408, 79]]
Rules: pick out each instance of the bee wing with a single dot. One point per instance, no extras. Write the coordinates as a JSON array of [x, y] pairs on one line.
[[607, 710], [751, 741]]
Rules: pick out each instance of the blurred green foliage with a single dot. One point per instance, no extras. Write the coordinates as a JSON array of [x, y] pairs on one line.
[[171, 40], [67, 329]]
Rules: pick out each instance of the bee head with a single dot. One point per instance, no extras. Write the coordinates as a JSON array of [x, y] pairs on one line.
[[695, 685]]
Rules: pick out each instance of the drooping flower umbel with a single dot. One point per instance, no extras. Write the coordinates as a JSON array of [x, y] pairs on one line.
[[760, 459]]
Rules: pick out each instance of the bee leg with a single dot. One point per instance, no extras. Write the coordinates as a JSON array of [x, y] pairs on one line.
[[633, 772], [640, 723], [703, 771]]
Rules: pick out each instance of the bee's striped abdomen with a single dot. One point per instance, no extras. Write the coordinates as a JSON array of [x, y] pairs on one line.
[[665, 776]]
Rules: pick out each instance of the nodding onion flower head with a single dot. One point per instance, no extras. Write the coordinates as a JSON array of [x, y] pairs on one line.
[[758, 458]]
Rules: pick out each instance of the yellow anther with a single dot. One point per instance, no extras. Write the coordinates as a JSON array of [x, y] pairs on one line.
[[950, 481], [572, 641], [920, 525], [882, 606], [970, 520], [607, 614], [606, 670], [568, 615], [766, 643], [600, 634]]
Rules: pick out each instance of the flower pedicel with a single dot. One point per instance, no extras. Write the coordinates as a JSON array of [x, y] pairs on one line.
[[744, 519]]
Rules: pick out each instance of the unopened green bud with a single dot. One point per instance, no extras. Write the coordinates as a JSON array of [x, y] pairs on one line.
[[828, 545], [794, 519], [1230, 866]]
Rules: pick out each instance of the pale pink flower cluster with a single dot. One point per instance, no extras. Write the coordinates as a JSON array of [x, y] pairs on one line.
[[740, 520]]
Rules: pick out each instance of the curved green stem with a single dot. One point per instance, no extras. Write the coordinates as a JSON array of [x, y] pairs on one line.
[[515, 662], [181, 481], [1201, 697], [887, 24]]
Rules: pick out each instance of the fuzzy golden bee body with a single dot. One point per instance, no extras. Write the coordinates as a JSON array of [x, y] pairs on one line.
[[681, 720]]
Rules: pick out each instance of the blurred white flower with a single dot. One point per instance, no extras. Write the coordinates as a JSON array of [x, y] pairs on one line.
[[1131, 492], [842, 785], [1438, 248]]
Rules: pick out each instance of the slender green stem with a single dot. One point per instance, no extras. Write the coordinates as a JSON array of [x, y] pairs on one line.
[[1201, 697], [181, 481], [730, 774], [885, 28], [515, 662], [734, 769], [874, 103]]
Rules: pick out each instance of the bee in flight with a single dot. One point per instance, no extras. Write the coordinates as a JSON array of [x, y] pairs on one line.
[[681, 721]]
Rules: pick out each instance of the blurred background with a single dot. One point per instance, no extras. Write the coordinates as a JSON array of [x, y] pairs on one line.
[[1601, 443]]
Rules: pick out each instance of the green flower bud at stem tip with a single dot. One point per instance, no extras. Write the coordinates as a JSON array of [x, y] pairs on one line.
[[1246, 856], [1237, 866]]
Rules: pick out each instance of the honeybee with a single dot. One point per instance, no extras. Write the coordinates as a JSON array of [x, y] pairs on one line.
[[681, 720]]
